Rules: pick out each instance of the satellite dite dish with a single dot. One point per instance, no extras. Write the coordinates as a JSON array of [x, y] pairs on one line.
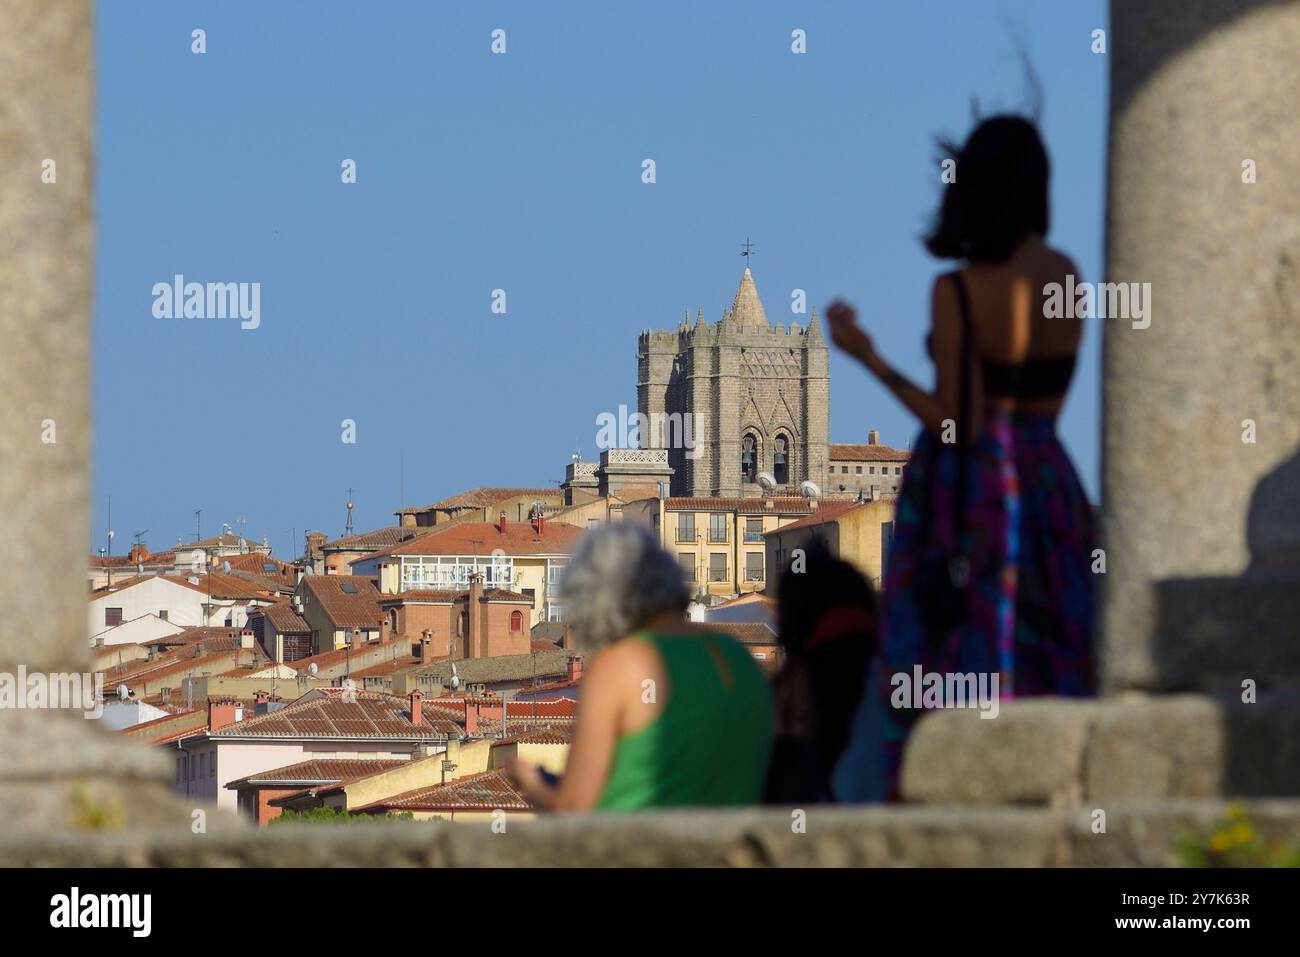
[[123, 692], [455, 677], [312, 669], [809, 490], [225, 567], [766, 481]]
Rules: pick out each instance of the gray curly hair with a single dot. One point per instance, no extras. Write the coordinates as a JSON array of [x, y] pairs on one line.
[[619, 579]]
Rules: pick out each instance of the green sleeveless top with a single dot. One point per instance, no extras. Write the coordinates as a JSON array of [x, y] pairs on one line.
[[710, 743]]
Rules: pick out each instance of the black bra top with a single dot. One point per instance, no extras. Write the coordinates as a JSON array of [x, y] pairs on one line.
[[1034, 379]]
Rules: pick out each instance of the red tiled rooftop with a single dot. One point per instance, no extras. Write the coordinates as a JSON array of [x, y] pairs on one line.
[[319, 771], [867, 453], [827, 511], [484, 538], [482, 498], [485, 791], [783, 504], [358, 608], [369, 715]]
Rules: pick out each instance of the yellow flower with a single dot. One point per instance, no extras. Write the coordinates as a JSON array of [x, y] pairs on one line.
[[1220, 842], [1242, 833], [1236, 811]]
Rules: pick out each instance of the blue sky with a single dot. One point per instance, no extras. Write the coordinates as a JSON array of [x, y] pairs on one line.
[[521, 172]]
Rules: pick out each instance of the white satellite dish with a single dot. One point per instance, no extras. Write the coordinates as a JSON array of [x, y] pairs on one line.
[[312, 669], [225, 567], [455, 677], [809, 490], [123, 692], [766, 481]]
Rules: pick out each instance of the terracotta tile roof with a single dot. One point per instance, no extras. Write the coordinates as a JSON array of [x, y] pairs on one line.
[[482, 498], [745, 632], [284, 619], [789, 504], [503, 667], [483, 538], [868, 453], [827, 511], [321, 715], [385, 668], [223, 586], [259, 564], [160, 560], [194, 633], [168, 727], [319, 771], [563, 684], [379, 538], [196, 658], [538, 736], [485, 791], [356, 609]]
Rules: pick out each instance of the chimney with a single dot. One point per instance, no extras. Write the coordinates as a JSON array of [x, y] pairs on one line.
[[574, 668], [473, 608], [356, 639], [417, 708], [501, 521], [873, 437], [246, 639], [566, 638], [471, 715], [224, 711], [451, 760]]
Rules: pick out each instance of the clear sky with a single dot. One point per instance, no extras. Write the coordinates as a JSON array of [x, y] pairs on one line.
[[519, 172]]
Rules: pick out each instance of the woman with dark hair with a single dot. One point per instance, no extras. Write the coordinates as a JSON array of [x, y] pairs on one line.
[[826, 616], [989, 569]]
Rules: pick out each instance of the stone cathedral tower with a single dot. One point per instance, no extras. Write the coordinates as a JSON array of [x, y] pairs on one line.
[[760, 393]]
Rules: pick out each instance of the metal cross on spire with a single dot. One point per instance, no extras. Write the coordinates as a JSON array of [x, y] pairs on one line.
[[748, 247]]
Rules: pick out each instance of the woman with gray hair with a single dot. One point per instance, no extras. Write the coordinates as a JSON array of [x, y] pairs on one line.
[[671, 713]]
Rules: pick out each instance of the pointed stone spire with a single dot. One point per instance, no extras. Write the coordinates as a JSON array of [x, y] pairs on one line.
[[814, 330], [699, 317], [747, 310]]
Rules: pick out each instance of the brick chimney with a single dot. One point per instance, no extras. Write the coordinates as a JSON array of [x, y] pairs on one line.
[[501, 521], [416, 699], [424, 649], [471, 716], [574, 670], [223, 711], [473, 608], [566, 638], [451, 759], [356, 639]]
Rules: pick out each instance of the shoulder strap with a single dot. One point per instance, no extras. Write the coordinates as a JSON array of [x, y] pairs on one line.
[[963, 411]]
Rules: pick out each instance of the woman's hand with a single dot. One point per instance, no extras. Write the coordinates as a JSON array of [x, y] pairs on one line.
[[531, 781], [846, 333]]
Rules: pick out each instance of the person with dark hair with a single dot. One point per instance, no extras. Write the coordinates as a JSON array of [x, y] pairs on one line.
[[826, 618], [988, 574]]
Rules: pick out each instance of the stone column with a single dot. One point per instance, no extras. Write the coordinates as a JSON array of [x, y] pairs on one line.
[[57, 770], [1202, 528]]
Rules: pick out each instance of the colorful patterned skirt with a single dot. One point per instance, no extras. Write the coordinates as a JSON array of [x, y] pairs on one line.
[[1029, 614]]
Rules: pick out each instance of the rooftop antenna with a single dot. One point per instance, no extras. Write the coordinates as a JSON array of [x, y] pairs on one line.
[[139, 535], [347, 531], [110, 540], [198, 524], [241, 521]]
